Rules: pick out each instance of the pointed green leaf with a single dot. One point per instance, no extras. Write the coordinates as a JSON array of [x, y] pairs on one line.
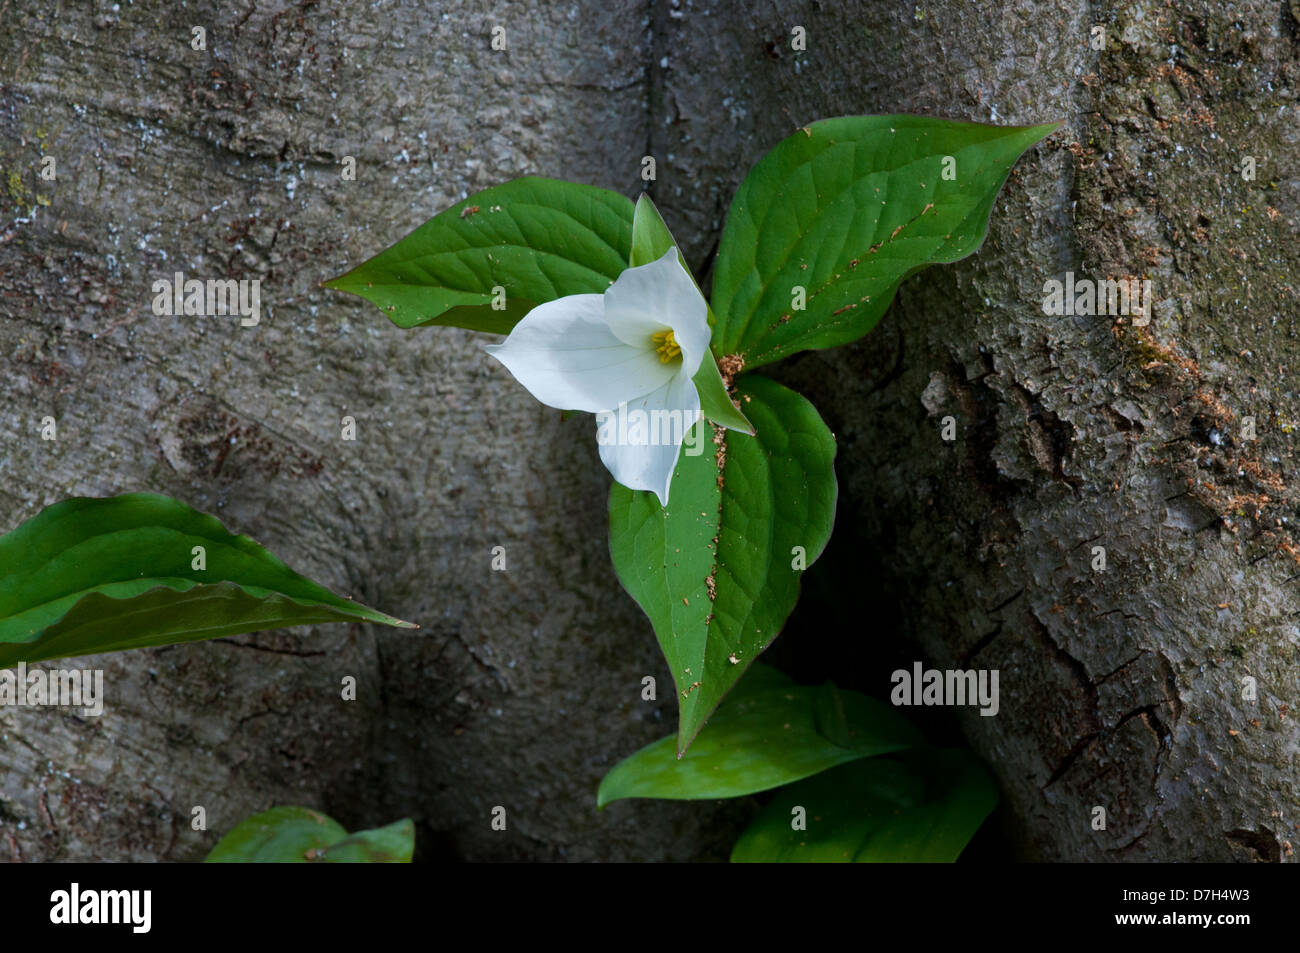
[[538, 239], [650, 242], [651, 238], [298, 835], [845, 209], [742, 543], [86, 576], [280, 835], [923, 808], [715, 403], [393, 844], [767, 733]]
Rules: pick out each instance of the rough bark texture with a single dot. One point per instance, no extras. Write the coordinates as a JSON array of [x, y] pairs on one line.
[[1120, 689], [522, 687]]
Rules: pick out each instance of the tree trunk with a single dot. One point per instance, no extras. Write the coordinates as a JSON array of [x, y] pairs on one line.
[[1121, 688], [522, 687]]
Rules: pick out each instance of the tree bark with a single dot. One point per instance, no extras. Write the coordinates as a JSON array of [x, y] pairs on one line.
[[522, 687], [1121, 688]]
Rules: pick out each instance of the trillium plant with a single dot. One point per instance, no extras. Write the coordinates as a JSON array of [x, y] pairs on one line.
[[603, 316], [724, 485], [628, 356]]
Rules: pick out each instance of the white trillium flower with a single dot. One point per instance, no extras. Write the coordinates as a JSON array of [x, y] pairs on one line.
[[633, 349]]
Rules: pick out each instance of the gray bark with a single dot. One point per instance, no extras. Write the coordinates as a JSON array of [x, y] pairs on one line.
[[1120, 689], [522, 687]]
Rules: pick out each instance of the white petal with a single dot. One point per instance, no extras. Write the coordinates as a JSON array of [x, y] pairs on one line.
[[657, 297], [650, 466], [567, 357]]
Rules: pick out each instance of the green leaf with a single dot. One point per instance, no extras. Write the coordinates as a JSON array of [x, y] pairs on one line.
[[847, 208], [539, 239], [393, 844], [764, 735], [297, 835], [650, 242], [715, 403], [923, 808], [280, 835], [739, 542], [651, 238], [97, 575]]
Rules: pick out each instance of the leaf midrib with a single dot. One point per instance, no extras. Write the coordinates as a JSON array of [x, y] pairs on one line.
[[257, 593], [769, 499], [107, 536], [789, 251], [449, 230], [146, 641]]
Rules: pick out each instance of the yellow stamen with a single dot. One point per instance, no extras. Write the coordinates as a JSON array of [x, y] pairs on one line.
[[666, 344]]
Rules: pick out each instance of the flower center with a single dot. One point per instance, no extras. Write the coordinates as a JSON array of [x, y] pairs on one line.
[[666, 344]]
